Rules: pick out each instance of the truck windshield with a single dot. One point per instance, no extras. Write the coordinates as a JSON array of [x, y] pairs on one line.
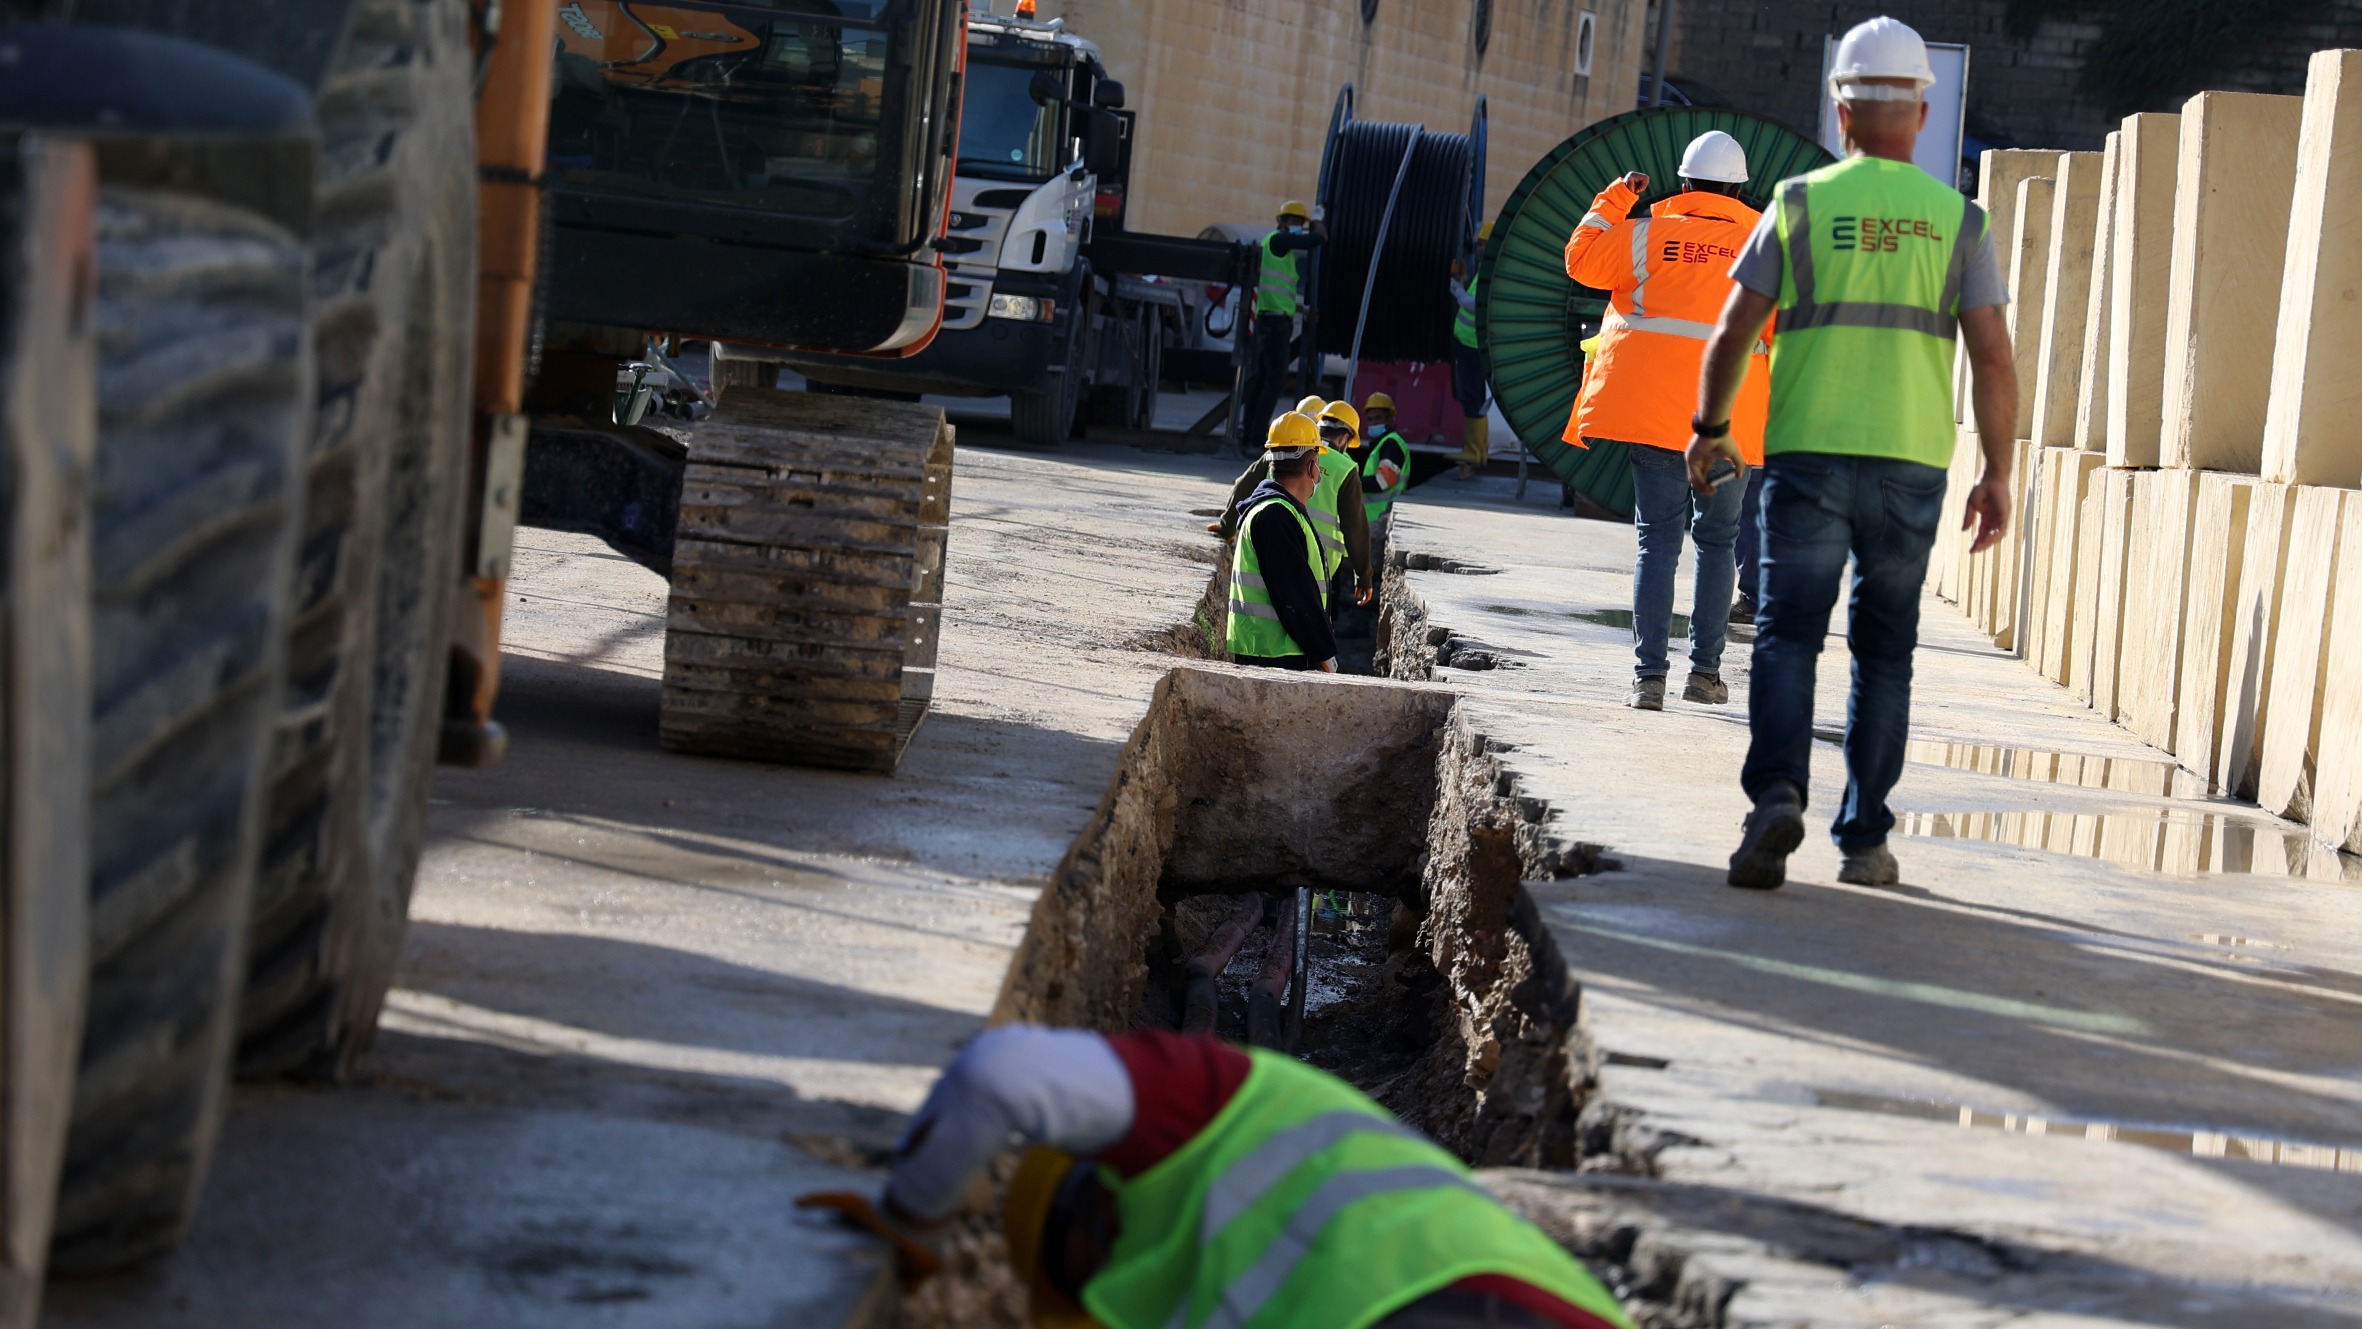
[[766, 106], [1004, 133]]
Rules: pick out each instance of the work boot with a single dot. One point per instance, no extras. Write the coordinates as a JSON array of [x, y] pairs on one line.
[[1874, 866], [1773, 831], [1742, 610], [1648, 694], [1705, 689]]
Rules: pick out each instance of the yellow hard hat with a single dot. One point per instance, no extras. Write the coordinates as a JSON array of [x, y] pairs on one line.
[[1484, 232], [1032, 1193], [1344, 415], [1377, 401], [1292, 208], [1311, 406], [1292, 431]]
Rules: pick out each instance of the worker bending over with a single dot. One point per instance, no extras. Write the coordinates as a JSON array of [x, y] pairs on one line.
[[1181, 1181], [1468, 385], [1667, 274], [1279, 613], [1279, 295], [1340, 522], [1385, 467], [1875, 268]]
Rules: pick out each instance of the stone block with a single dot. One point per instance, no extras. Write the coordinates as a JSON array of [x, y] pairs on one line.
[[2090, 525], [2337, 785], [2027, 266], [1999, 172], [2132, 645], [2254, 629], [2316, 395], [2173, 502], [2108, 624], [2039, 520], [2063, 552], [2066, 298], [2292, 717], [2138, 272], [2006, 557], [2236, 176], [2091, 396], [2218, 539]]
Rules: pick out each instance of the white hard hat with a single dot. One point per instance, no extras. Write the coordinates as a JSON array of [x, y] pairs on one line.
[[1715, 155], [1880, 48]]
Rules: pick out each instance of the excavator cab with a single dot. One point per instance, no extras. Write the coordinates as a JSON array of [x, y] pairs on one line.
[[773, 172]]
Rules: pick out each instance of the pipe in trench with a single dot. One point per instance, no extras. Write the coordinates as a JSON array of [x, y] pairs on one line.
[[1202, 1002], [1266, 1007]]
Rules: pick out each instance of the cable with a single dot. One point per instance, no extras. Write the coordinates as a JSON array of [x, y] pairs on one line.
[[1411, 309]]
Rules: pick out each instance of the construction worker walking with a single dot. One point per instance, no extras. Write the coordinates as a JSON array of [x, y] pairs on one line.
[[1385, 467], [1341, 524], [1178, 1180], [1875, 269], [1278, 571], [1279, 296], [1667, 273], [1468, 385]]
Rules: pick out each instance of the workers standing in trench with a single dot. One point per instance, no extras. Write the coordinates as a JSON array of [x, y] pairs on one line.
[[1385, 467], [1666, 274], [1468, 385], [1279, 295], [1875, 268], [1178, 1180], [1278, 573], [1340, 522]]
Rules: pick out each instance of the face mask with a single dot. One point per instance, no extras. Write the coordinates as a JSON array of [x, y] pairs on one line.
[[1377, 431]]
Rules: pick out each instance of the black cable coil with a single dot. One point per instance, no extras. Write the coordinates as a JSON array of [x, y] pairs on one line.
[[1411, 314]]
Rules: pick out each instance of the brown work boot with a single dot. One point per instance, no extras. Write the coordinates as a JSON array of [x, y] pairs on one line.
[[1774, 829], [1705, 689], [1648, 694]]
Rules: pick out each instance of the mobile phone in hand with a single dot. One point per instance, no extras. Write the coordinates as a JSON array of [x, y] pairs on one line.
[[1722, 472]]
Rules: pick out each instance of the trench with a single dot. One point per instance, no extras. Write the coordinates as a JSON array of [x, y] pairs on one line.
[[1245, 801]]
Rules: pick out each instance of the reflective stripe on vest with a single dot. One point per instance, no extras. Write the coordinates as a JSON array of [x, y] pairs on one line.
[[1303, 1203], [1639, 264], [1377, 504], [1336, 471], [1877, 254], [1254, 625], [1464, 320], [1671, 327], [1275, 289]]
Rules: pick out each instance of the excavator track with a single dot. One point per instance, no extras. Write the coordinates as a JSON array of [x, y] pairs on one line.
[[807, 580]]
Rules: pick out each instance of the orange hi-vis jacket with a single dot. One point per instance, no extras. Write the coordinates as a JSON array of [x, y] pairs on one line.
[[1667, 275]]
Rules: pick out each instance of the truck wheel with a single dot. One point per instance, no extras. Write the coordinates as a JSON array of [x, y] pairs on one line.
[[1046, 419], [203, 386], [367, 655]]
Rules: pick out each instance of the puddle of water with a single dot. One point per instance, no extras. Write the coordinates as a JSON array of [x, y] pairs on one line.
[[2131, 775], [2166, 842], [1622, 619], [2196, 1144], [2221, 939]]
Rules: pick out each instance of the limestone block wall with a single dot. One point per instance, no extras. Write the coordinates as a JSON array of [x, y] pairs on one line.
[[2185, 554], [1234, 96]]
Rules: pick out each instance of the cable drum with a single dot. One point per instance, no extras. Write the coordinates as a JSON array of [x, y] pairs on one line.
[[1411, 312]]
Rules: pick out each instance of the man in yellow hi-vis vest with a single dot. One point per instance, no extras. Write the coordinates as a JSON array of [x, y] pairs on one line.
[[1190, 1182], [1875, 268], [1279, 295]]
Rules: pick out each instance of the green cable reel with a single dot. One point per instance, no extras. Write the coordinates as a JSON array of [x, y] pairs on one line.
[[1531, 319]]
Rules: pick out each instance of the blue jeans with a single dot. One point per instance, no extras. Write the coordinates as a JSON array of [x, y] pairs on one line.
[[1818, 508], [1662, 502], [1750, 533]]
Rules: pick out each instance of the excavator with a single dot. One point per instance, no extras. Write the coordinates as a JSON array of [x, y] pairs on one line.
[[298, 319]]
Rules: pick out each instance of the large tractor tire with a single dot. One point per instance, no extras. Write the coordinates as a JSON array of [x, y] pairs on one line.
[[368, 648], [204, 385]]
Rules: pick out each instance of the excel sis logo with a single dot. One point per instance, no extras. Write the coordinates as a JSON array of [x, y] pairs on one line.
[[1691, 251], [1878, 235]]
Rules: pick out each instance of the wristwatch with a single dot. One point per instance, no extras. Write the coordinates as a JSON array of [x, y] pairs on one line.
[[1704, 430]]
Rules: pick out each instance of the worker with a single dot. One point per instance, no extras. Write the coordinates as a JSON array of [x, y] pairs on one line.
[[1875, 268], [1278, 598], [1343, 527], [1468, 384], [1667, 273], [1279, 295], [1385, 467], [1174, 1179]]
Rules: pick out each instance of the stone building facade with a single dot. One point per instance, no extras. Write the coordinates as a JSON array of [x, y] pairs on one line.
[[1765, 56], [1234, 96]]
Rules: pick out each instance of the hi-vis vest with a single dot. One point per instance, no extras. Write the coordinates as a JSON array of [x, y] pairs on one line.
[[1667, 275], [1869, 309], [1380, 503], [1254, 624], [1338, 474], [1275, 290], [1464, 320], [1304, 1204]]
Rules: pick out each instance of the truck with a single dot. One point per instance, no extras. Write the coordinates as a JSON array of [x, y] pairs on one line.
[[1052, 300], [283, 304]]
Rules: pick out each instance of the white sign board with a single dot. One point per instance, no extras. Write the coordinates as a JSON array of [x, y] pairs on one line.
[[1947, 110]]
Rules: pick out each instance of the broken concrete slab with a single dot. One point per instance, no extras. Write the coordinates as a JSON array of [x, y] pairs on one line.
[[2309, 435], [2140, 275], [2236, 175]]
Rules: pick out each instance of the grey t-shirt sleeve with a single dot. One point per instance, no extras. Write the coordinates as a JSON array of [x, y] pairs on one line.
[[1761, 263], [1981, 284]]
